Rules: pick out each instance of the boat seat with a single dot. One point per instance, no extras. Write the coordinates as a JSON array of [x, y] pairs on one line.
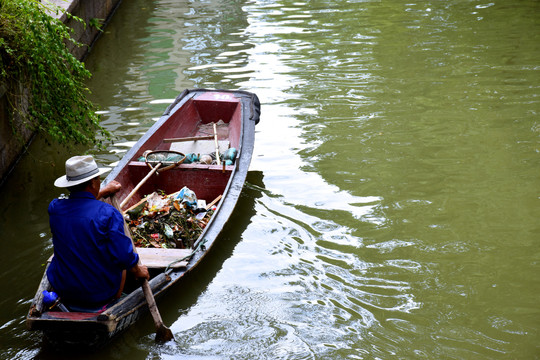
[[200, 146], [155, 258]]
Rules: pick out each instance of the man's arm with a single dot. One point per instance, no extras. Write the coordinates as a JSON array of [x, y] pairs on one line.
[[140, 272], [110, 189]]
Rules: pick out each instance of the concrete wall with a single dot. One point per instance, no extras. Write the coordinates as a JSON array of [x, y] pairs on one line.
[[12, 148], [86, 10]]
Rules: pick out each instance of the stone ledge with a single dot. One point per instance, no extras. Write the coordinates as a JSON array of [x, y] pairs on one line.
[[68, 7]]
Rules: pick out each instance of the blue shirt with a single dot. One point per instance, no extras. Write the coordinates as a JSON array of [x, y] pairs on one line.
[[90, 249]]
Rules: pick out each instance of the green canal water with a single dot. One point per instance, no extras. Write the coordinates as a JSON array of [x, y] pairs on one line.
[[392, 205]]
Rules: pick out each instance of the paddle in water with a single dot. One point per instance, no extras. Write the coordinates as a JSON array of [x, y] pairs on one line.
[[163, 333]]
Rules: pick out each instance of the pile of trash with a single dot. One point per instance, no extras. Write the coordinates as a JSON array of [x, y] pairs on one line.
[[168, 221]]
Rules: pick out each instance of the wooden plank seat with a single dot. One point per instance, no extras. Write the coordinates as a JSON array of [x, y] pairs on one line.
[[155, 258], [200, 147]]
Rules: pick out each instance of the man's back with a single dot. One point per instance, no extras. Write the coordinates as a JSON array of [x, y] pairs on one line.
[[90, 249]]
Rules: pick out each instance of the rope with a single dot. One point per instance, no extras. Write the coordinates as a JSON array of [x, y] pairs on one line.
[[200, 245]]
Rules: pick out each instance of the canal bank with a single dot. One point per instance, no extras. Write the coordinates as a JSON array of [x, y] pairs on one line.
[[95, 15]]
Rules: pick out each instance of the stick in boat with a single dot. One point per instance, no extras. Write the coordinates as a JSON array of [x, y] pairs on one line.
[[163, 333], [217, 145], [193, 138], [213, 202], [154, 169], [134, 206], [136, 188]]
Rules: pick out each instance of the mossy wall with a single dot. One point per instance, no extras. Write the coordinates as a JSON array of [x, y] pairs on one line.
[[92, 12]]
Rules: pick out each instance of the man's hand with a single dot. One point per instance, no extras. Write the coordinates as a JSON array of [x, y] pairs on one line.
[[140, 272], [110, 189]]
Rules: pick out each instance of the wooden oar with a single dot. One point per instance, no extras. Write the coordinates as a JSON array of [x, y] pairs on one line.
[[154, 169], [163, 333], [136, 188], [192, 138]]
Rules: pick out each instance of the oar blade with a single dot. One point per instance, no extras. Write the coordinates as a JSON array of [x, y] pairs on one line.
[[163, 334]]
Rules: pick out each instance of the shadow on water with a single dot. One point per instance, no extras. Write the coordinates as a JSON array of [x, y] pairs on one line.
[[186, 294], [137, 341]]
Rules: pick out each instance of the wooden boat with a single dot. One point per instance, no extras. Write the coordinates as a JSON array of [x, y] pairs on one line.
[[186, 121]]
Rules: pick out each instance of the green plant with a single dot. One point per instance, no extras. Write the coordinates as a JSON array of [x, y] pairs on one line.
[[96, 23], [34, 52]]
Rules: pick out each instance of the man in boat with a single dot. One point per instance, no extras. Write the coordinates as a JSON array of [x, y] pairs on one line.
[[92, 254]]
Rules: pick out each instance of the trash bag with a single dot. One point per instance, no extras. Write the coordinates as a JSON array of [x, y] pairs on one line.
[[229, 156], [188, 197], [191, 158]]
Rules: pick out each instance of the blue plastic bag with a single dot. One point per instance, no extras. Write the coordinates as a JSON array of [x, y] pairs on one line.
[[188, 197]]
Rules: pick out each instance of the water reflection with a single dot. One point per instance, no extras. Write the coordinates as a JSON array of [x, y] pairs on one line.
[[391, 210]]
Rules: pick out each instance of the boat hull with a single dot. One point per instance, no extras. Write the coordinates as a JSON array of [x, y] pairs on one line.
[[192, 111]]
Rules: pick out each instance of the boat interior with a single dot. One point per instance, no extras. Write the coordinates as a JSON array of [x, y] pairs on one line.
[[189, 130]]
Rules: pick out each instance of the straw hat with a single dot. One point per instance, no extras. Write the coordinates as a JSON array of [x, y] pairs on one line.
[[78, 170]]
